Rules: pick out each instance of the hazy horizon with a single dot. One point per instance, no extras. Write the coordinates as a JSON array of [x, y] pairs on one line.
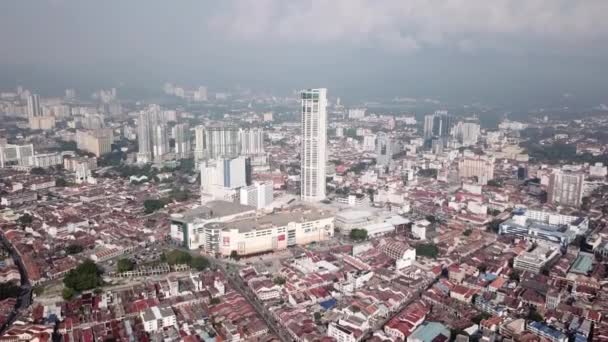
[[494, 52]]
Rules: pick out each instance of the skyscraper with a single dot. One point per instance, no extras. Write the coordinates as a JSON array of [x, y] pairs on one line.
[[566, 188], [33, 106], [222, 177], [181, 133], [478, 166], [467, 133], [217, 142], [252, 141], [384, 149], [438, 124], [314, 140], [152, 135]]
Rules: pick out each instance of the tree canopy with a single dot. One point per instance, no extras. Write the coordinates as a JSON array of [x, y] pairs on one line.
[[84, 277], [124, 265], [427, 250], [358, 234]]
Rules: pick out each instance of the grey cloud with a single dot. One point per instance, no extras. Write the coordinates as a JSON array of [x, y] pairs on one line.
[[415, 24]]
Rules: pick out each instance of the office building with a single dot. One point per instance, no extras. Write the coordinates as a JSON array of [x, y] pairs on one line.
[[369, 142], [221, 178], [534, 261], [16, 155], [46, 160], [181, 134], [438, 124], [314, 144], [98, 142], [152, 135], [480, 167], [258, 195], [566, 188], [73, 163], [598, 170], [384, 149], [200, 95], [356, 113], [252, 141], [545, 227], [466, 133]]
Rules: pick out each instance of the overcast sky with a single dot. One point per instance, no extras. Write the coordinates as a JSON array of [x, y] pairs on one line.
[[464, 49]]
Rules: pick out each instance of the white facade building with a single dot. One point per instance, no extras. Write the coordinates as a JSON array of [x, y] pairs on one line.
[[181, 134], [258, 195], [158, 317], [314, 144], [299, 226], [252, 141], [222, 177]]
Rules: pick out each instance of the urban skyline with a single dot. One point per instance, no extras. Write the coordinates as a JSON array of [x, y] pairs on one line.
[[322, 171]]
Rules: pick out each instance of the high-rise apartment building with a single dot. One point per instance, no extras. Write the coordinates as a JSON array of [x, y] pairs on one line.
[[467, 133], [181, 134], [438, 124], [252, 141], [221, 142], [98, 142], [152, 135], [199, 143], [356, 113], [477, 166], [566, 188], [33, 106], [384, 149], [21, 155], [314, 144]]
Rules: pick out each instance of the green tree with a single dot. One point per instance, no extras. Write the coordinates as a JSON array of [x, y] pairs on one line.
[[494, 226], [514, 276], [467, 232], [358, 234], [533, 315], [480, 317], [199, 263], [38, 290], [317, 315], [214, 301], [124, 265], [428, 173], [37, 171], [180, 195], [177, 257], [84, 277], [9, 290], [279, 280], [152, 205], [61, 183], [495, 182], [68, 293], [25, 219], [73, 249], [427, 250], [234, 255]]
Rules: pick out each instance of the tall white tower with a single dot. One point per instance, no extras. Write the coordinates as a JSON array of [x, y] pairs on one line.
[[152, 135], [314, 144], [181, 134], [33, 106]]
